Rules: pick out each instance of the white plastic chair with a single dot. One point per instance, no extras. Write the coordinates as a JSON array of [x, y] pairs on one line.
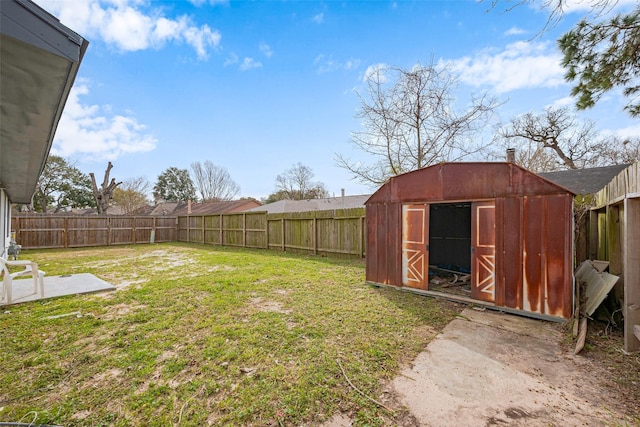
[[30, 269]]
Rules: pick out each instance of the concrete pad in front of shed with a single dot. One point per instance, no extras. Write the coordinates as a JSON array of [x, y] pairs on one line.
[[489, 368], [57, 286]]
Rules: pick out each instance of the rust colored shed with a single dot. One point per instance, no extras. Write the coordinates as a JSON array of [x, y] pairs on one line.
[[509, 228]]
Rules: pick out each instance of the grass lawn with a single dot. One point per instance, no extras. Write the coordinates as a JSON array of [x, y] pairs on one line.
[[202, 335]]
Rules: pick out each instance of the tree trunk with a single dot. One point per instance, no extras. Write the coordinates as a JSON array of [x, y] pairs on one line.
[[105, 193]]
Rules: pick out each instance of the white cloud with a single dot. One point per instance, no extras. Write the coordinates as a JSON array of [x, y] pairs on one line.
[[580, 6], [266, 49], [318, 18], [567, 101], [92, 132], [351, 64], [249, 63], [375, 69], [326, 63], [514, 31], [628, 132], [521, 65], [199, 3], [201, 39], [231, 59], [127, 26]]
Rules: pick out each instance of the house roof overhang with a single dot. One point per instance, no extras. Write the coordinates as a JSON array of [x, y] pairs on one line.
[[40, 61]]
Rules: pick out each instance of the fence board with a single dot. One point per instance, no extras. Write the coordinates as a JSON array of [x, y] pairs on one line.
[[70, 231], [336, 232]]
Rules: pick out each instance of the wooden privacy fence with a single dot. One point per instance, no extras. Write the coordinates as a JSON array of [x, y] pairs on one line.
[[71, 231], [331, 232]]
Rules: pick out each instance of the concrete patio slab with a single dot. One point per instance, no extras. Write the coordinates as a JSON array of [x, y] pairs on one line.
[[58, 286], [488, 368]]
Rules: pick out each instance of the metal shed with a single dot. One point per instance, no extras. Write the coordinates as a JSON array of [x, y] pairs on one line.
[[511, 229]]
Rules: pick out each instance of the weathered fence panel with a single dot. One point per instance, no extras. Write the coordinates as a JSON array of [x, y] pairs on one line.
[[336, 232], [333, 232], [71, 231], [256, 230]]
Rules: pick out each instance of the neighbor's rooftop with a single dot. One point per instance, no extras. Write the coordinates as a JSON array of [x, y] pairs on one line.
[[584, 181], [286, 206]]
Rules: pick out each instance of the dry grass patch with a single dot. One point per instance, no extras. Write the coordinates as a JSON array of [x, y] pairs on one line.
[[209, 336]]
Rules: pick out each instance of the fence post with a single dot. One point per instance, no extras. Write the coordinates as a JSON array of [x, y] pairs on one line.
[[203, 240], [221, 230], [266, 231], [362, 235], [152, 237], [284, 247], [315, 234], [244, 230], [65, 231], [108, 231]]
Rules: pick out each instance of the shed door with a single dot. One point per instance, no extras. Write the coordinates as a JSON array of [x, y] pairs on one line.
[[415, 249], [483, 251]]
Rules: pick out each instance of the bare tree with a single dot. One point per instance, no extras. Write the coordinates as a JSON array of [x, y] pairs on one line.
[[213, 182], [103, 194], [555, 8], [409, 121], [620, 151], [296, 184], [132, 194], [556, 139], [528, 154]]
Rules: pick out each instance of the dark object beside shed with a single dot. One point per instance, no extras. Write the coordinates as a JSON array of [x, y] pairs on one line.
[[510, 228]]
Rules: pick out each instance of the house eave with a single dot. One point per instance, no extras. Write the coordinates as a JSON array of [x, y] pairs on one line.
[[40, 61]]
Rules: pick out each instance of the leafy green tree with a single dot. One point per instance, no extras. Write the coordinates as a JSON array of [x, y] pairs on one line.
[[602, 56], [174, 185], [62, 186]]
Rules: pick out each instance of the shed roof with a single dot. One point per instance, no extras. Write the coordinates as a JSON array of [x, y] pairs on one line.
[[584, 181], [287, 206], [464, 181], [40, 60]]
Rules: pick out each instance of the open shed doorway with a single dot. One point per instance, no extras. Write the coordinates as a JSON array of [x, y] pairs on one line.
[[450, 248]]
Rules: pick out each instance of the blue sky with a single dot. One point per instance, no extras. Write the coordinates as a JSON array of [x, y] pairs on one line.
[[258, 86]]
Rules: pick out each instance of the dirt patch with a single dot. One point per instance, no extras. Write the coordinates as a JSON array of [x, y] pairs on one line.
[[128, 283], [104, 378], [81, 415], [262, 304], [120, 310], [615, 372], [160, 260], [488, 368]]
